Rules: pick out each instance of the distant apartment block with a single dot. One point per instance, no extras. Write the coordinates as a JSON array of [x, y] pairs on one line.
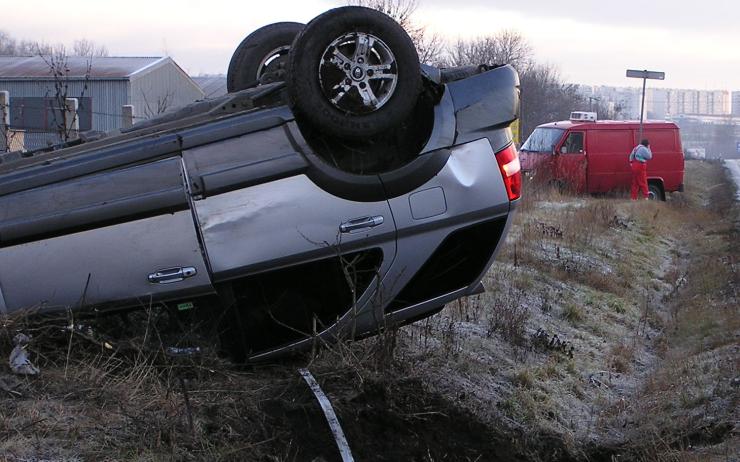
[[663, 103], [736, 103]]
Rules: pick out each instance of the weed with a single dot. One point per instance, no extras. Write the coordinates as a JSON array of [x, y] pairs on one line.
[[620, 357], [523, 378], [618, 305], [509, 320], [573, 313]]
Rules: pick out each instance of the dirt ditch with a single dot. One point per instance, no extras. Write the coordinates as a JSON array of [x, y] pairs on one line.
[[609, 332]]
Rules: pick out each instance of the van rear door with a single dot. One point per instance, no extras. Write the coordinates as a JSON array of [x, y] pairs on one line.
[[667, 162]]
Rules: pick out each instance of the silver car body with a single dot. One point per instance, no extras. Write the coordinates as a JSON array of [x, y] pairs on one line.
[[177, 209]]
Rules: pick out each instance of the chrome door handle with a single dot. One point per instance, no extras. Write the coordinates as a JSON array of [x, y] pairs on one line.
[[360, 223], [170, 275]]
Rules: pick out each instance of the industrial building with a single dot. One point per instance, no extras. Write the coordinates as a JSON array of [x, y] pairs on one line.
[[212, 85], [38, 86]]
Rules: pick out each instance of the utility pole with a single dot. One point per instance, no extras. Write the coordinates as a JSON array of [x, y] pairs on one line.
[[644, 75]]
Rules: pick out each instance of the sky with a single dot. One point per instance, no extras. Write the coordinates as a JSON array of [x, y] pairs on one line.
[[697, 44]]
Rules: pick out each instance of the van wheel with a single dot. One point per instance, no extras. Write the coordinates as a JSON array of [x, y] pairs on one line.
[[353, 73], [262, 57], [655, 192]]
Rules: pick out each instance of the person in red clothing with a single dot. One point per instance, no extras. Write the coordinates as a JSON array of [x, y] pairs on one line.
[[638, 163]]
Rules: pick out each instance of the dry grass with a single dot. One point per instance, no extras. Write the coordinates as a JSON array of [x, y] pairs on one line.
[[573, 313], [689, 404], [610, 276], [621, 357], [129, 402], [508, 316], [647, 364]]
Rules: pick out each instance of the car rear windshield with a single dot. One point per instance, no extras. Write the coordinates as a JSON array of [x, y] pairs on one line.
[[543, 140]]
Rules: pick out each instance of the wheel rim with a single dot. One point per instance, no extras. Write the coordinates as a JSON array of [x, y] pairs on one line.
[[358, 73], [272, 61]]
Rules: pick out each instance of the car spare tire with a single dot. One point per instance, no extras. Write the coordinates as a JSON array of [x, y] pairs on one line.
[[262, 57], [353, 72]]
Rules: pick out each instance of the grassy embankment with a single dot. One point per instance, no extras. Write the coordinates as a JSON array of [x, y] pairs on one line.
[[610, 329]]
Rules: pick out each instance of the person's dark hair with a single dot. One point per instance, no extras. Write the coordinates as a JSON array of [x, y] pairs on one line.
[[645, 142]]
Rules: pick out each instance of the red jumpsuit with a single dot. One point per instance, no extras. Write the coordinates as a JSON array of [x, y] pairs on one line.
[[639, 178]]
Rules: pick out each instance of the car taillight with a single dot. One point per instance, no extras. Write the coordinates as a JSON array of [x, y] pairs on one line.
[[511, 171]]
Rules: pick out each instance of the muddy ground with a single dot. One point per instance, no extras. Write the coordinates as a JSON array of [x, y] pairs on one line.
[[609, 332]]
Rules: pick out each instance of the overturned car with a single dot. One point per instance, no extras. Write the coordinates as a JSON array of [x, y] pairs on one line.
[[340, 187]]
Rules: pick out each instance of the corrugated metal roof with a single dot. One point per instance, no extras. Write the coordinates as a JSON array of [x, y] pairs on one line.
[[76, 67], [213, 86]]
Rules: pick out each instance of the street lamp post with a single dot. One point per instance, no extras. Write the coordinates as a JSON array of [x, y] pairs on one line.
[[591, 99], [644, 75]]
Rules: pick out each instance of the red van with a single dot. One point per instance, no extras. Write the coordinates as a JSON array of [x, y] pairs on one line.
[[593, 156]]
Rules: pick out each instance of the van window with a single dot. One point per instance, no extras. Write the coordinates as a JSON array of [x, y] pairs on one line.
[[543, 140], [574, 143]]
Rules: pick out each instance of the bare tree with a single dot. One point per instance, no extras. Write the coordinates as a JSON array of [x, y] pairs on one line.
[[400, 10], [545, 97], [58, 66], [160, 106], [9, 46], [85, 47], [504, 47], [429, 45]]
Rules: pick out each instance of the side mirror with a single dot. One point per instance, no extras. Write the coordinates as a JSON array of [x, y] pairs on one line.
[[563, 150]]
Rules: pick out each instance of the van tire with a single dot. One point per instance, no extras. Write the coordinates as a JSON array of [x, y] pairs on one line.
[[655, 191]]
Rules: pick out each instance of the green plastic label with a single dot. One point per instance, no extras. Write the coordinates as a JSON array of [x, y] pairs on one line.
[[185, 306]]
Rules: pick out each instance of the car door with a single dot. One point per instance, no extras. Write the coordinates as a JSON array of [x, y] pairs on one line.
[[122, 237], [259, 212], [571, 163]]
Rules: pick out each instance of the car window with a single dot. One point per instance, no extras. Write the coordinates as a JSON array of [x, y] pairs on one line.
[[574, 143], [543, 140]]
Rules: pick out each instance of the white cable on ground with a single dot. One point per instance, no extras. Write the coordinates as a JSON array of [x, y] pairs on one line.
[[331, 417]]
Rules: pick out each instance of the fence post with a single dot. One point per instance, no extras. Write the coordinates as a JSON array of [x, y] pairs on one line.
[[71, 121], [127, 116], [4, 121]]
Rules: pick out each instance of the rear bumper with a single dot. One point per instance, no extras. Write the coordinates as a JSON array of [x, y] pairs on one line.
[[430, 306]]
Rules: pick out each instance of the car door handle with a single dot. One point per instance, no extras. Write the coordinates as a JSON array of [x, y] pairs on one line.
[[361, 223], [170, 275]]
